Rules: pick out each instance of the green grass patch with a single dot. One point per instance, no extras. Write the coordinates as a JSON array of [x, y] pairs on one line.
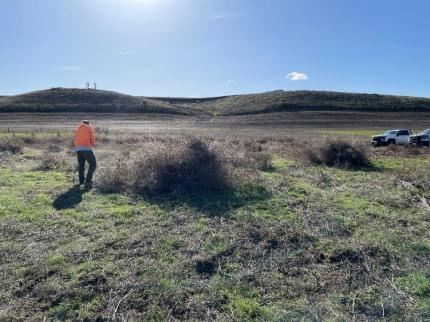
[[247, 309], [56, 259], [416, 283], [280, 162]]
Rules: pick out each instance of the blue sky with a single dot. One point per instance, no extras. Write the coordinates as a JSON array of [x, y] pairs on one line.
[[216, 47]]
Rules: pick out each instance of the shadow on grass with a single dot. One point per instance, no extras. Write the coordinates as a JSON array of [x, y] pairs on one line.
[[370, 168], [69, 199], [212, 203]]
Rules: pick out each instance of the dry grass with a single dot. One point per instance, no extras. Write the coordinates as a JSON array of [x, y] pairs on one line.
[[56, 156], [55, 161], [336, 153], [11, 145]]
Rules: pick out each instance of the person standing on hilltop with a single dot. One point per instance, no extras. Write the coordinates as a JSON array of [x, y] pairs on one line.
[[83, 141]]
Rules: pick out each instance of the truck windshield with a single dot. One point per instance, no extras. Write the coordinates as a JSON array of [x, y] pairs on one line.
[[390, 132], [425, 132]]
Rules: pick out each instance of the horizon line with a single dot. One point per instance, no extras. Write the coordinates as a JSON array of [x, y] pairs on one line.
[[216, 96]]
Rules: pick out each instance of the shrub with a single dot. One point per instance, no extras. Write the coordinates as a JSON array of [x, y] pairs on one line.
[[10, 145], [252, 146], [30, 139], [241, 157], [339, 154], [191, 168], [116, 178], [54, 161], [53, 148], [264, 162], [127, 139], [167, 168]]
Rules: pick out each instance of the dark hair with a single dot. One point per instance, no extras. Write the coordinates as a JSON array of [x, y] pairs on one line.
[[86, 122]]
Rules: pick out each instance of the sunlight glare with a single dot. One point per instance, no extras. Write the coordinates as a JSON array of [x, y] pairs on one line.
[[145, 2]]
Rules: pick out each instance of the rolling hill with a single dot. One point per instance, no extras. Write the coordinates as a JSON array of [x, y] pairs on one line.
[[283, 101], [69, 100], [62, 100]]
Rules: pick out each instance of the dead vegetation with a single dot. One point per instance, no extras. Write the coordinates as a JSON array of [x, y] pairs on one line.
[[184, 164], [340, 154], [183, 168], [58, 161], [10, 145]]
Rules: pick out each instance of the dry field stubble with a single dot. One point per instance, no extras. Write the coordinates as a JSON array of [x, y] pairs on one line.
[[273, 124]]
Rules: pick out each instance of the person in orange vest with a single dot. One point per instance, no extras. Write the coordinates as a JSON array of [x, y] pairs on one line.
[[84, 140]]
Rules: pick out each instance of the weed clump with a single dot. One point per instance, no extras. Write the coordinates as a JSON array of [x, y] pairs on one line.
[[54, 161], [340, 154], [245, 156], [191, 169], [53, 148], [10, 145], [116, 178], [186, 168], [265, 162]]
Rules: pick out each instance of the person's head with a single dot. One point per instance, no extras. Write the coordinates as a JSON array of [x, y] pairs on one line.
[[86, 122]]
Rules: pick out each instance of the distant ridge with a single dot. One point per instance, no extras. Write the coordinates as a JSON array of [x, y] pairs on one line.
[[71, 100], [284, 101]]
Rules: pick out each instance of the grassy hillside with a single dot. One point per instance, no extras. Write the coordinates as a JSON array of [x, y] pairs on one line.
[[89, 101], [279, 101], [187, 100], [293, 241]]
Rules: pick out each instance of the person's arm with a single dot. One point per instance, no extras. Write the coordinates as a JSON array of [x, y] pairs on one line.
[[92, 136]]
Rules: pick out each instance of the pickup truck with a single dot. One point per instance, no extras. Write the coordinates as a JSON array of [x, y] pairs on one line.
[[420, 139], [397, 137]]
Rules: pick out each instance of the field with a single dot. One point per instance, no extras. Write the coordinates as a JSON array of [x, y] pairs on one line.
[[299, 122], [283, 238]]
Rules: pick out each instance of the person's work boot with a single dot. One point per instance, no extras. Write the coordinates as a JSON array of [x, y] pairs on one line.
[[88, 185]]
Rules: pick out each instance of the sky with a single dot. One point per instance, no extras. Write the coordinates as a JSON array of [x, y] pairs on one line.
[[201, 48]]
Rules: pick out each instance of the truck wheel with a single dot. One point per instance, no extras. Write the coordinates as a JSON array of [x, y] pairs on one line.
[[391, 142]]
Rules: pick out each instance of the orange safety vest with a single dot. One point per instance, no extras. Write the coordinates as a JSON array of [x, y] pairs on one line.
[[84, 136]]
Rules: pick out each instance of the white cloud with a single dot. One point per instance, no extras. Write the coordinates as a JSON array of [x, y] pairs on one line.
[[229, 81], [126, 52], [69, 68], [295, 76]]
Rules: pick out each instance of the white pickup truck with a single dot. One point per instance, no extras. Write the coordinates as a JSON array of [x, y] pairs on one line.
[[397, 137], [421, 139]]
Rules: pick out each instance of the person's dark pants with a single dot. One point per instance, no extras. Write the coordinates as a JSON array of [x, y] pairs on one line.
[[86, 156]]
